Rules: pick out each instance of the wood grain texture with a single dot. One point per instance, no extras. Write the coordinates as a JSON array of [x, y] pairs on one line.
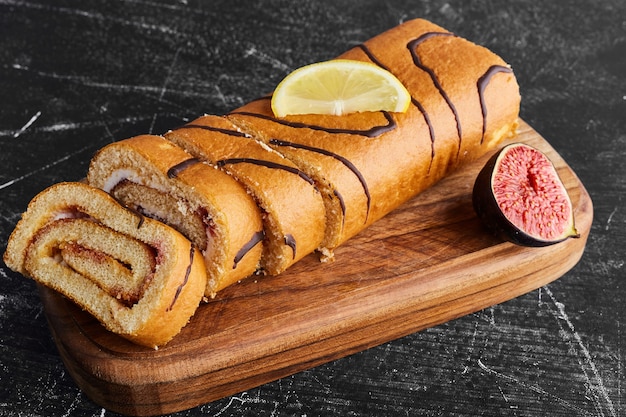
[[426, 263]]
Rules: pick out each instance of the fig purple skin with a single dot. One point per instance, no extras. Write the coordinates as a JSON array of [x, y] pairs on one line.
[[519, 196]]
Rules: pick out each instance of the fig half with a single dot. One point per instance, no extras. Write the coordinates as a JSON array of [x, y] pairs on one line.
[[519, 196]]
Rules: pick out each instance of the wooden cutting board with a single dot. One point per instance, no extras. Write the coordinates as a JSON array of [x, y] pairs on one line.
[[428, 262]]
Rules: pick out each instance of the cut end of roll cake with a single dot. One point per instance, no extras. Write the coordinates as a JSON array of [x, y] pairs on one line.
[[140, 278]]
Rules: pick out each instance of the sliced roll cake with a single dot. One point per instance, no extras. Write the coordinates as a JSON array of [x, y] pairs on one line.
[[160, 180], [140, 278], [293, 209]]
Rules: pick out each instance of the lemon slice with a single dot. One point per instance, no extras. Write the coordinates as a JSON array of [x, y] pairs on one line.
[[339, 87]]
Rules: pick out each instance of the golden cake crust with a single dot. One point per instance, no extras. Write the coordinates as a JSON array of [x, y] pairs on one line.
[[465, 101]]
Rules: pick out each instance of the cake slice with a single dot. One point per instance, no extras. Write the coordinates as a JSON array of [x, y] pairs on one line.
[[140, 278], [160, 180]]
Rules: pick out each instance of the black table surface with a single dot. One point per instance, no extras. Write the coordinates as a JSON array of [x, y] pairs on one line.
[[76, 75]]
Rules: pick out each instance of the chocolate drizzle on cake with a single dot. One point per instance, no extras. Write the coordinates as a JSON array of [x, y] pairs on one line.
[[256, 238], [178, 168], [372, 132], [346, 162], [431, 129], [412, 46], [371, 56], [291, 242], [482, 84], [185, 280], [342, 204], [414, 101], [268, 164], [229, 132]]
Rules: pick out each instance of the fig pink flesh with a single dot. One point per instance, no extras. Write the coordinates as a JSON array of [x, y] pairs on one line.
[[530, 193]]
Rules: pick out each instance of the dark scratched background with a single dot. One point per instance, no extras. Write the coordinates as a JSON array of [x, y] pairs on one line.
[[76, 75]]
